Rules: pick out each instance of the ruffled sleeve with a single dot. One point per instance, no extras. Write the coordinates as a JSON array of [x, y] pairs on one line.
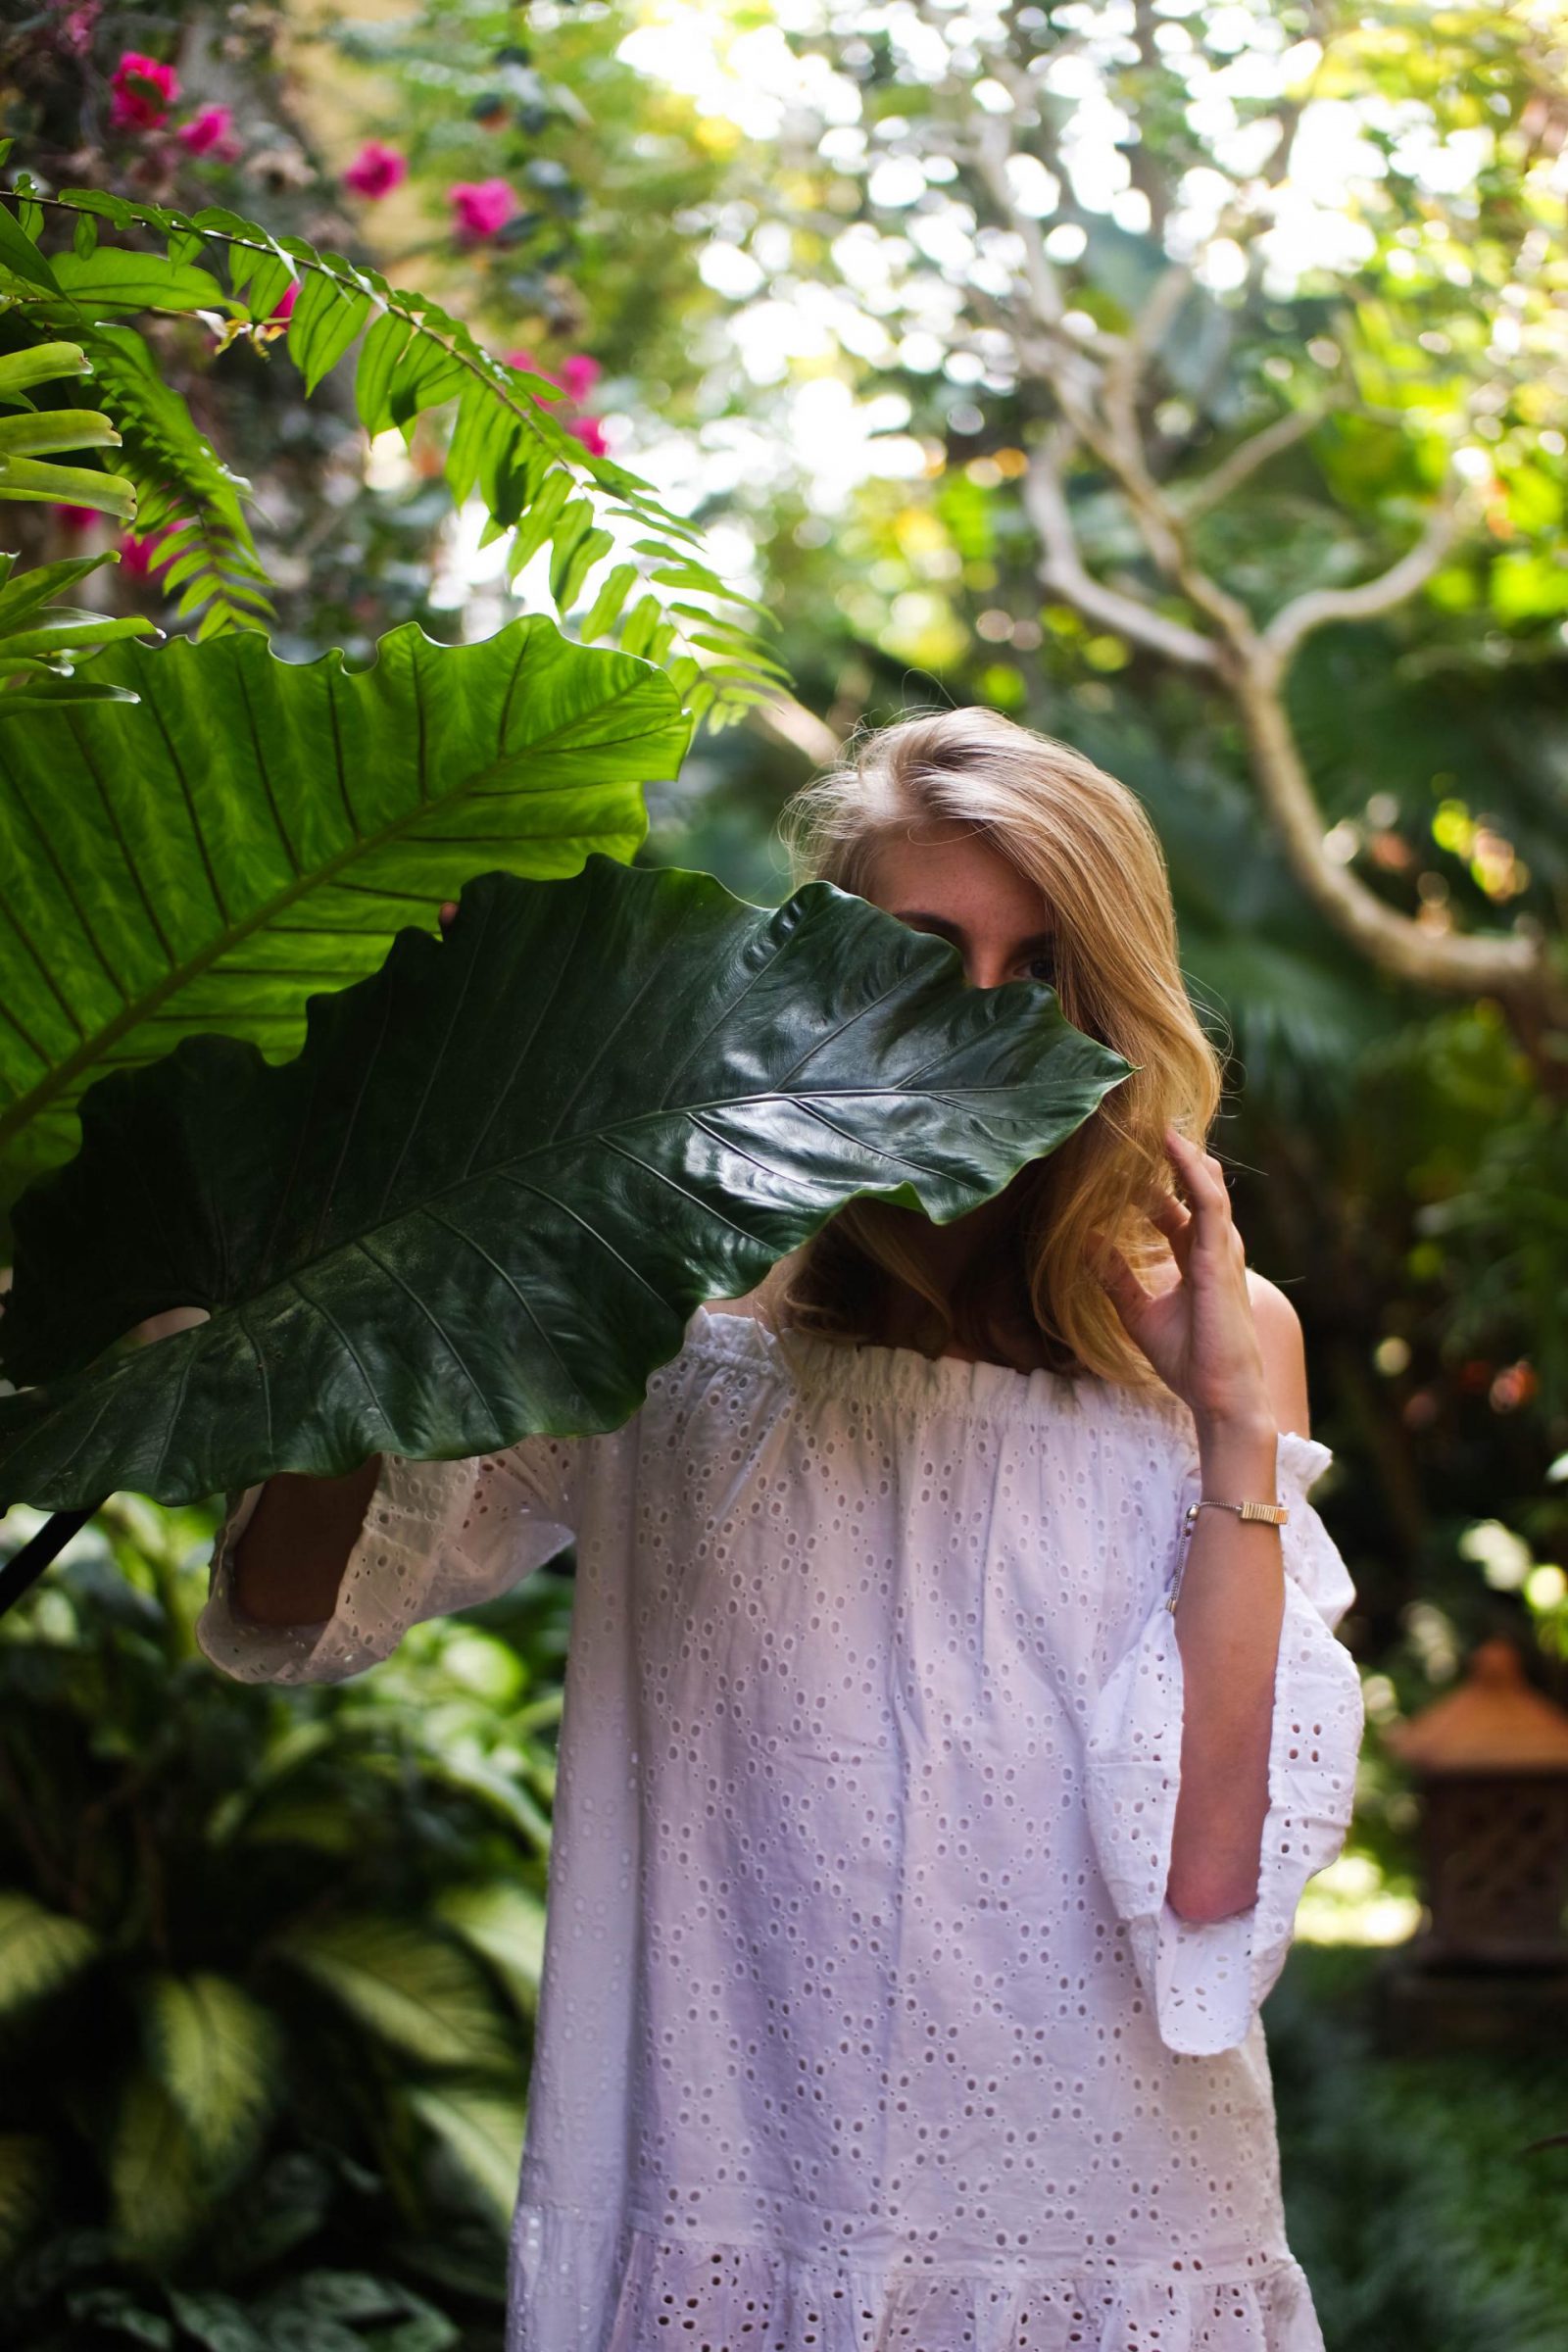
[[1207, 1979], [437, 1537]]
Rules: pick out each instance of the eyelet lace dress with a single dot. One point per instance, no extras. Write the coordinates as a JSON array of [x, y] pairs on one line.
[[864, 2024]]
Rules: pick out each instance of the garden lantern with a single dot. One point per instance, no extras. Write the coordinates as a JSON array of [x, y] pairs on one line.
[[1491, 1762]]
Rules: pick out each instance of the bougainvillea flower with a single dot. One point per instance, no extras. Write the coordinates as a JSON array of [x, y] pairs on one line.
[[72, 519], [78, 30], [481, 206], [139, 554], [579, 374], [591, 433], [532, 367], [142, 91], [377, 169], [209, 127]]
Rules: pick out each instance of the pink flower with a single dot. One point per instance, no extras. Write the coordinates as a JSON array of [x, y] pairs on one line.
[[377, 169], [209, 127], [78, 27], [143, 91], [74, 518], [530, 366], [286, 299], [579, 374], [481, 206], [136, 553], [591, 433]]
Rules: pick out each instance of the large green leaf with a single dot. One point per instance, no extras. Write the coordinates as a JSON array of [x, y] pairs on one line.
[[252, 829], [417, 1992], [40, 1950], [487, 1196], [217, 2054], [158, 2185], [505, 1922], [482, 2130]]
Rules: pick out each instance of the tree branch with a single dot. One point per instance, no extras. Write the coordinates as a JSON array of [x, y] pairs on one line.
[[991, 148], [1471, 964], [1318, 605], [1197, 498], [1063, 570]]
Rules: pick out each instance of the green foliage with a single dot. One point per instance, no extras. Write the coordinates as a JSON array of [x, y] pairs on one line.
[[537, 482], [414, 1990], [256, 2089], [553, 1134], [484, 2129], [1484, 1150], [252, 829], [1415, 2198], [41, 643], [213, 2053], [39, 1951], [183, 490]]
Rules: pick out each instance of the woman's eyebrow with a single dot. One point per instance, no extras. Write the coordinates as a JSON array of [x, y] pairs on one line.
[[955, 931]]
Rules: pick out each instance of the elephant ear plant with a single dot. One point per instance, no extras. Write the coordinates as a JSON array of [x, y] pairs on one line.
[[242, 830], [485, 1198]]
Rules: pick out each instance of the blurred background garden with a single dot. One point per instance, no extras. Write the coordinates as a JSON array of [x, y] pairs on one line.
[[1188, 382]]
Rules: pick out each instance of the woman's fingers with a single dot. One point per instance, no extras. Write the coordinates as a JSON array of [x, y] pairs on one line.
[[1127, 1294], [1204, 1178], [1201, 1175], [449, 909], [1175, 1222]]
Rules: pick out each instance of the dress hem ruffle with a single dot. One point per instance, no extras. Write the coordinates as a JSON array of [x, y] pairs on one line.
[[597, 2282]]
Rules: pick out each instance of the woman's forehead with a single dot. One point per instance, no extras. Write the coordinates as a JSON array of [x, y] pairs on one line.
[[946, 866]]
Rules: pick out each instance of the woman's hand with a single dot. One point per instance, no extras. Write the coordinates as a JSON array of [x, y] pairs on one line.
[[1198, 1332]]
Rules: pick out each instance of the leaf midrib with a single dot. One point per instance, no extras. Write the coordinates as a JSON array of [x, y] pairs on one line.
[[57, 1082]]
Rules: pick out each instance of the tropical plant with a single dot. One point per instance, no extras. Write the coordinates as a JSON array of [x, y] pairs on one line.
[[42, 642], [30, 441], [595, 1103], [255, 829], [537, 482], [269, 1964]]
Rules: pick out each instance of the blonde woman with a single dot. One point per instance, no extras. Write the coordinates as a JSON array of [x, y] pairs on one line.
[[936, 1787]]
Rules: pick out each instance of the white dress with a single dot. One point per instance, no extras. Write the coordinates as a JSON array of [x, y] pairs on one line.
[[865, 2026]]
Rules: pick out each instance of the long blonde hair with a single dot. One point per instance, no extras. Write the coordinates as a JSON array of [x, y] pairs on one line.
[[1085, 840]]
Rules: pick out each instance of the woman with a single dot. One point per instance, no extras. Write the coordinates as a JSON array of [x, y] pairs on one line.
[[935, 1791]]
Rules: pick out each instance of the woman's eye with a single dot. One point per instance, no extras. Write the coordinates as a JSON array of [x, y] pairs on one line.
[[1041, 968]]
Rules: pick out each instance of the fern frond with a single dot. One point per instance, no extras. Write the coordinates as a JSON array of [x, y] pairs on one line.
[[181, 482], [536, 480]]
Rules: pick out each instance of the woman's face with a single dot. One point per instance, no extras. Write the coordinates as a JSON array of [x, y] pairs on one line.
[[949, 879]]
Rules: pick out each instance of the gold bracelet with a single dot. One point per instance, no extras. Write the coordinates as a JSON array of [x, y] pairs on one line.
[[1273, 1514]]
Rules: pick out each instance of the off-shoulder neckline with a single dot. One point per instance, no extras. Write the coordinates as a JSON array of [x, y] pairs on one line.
[[868, 1370], [871, 1372]]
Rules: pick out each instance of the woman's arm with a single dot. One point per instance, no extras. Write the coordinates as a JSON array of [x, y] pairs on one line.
[[289, 1562], [1229, 1344], [1228, 1618]]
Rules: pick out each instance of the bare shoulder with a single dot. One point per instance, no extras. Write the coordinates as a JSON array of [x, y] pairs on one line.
[[749, 1304], [1279, 1331]]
